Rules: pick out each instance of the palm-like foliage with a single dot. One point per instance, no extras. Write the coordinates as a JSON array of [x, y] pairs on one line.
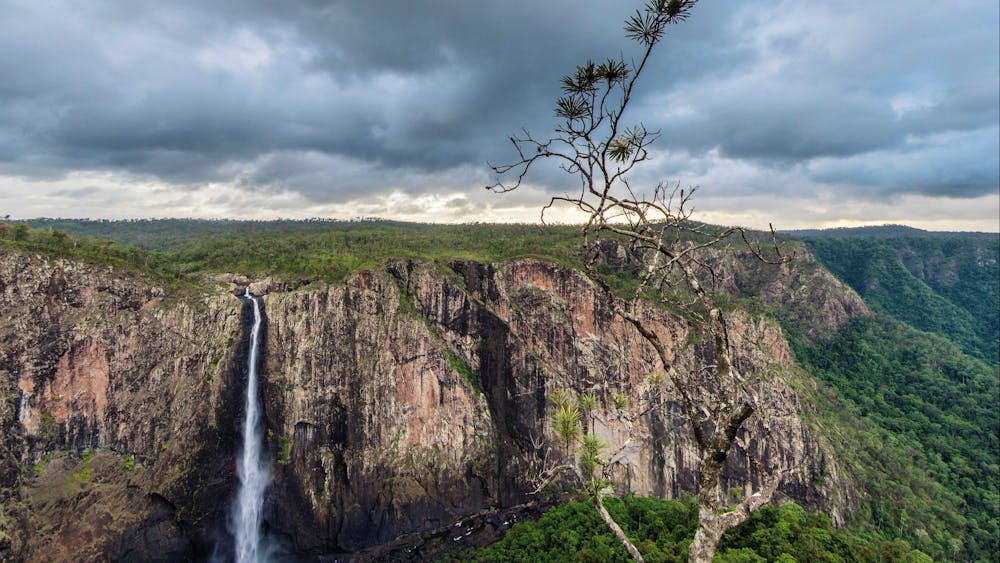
[[590, 459], [567, 423]]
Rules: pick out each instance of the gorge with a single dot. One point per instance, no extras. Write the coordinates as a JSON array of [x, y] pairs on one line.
[[403, 401], [404, 411]]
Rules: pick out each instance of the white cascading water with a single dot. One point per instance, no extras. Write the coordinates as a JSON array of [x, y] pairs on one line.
[[253, 469], [24, 410]]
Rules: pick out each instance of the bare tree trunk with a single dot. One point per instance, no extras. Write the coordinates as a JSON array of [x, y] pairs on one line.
[[706, 539], [617, 529], [715, 516], [710, 525]]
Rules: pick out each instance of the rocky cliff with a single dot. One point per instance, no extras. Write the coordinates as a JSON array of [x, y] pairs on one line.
[[122, 422], [398, 404]]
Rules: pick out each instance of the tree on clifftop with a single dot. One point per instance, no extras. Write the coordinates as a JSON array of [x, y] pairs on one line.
[[595, 145]]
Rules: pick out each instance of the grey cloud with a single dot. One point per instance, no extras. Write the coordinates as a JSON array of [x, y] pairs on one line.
[[409, 94], [958, 165], [811, 88], [77, 192], [336, 100]]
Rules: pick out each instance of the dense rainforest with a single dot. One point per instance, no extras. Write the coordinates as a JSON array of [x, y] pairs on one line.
[[942, 283], [926, 448], [907, 395], [922, 373]]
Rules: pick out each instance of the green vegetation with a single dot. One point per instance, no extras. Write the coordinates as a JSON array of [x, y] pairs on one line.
[[318, 250], [945, 283], [129, 462], [567, 424], [590, 460], [462, 368], [575, 532], [284, 450], [102, 251], [663, 530], [587, 403], [621, 399], [915, 420], [313, 249], [39, 467], [83, 476], [912, 415], [85, 473], [50, 428]]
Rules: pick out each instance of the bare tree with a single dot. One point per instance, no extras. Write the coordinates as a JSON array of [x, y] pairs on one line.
[[595, 145]]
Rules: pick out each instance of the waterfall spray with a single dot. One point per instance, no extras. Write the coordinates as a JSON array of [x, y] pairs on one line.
[[253, 469]]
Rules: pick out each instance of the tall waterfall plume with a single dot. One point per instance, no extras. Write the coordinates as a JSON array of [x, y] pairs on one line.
[[253, 468]]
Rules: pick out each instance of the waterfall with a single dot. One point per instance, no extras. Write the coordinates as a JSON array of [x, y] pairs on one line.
[[253, 469], [24, 408]]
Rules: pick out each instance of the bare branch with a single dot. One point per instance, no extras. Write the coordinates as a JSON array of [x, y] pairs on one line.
[[668, 254], [549, 475]]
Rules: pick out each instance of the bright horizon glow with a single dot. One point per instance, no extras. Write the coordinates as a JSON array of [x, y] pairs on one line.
[[155, 200], [779, 111]]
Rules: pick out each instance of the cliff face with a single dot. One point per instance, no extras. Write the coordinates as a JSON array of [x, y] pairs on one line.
[[382, 435], [415, 396], [411, 397], [92, 360]]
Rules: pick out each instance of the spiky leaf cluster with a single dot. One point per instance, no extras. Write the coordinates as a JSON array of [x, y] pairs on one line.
[[590, 455], [622, 147], [648, 25], [567, 423], [613, 71], [644, 27], [572, 108], [588, 77], [560, 397], [583, 81]]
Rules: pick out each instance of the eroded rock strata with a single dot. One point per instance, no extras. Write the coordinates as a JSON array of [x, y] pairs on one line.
[[398, 404], [101, 362]]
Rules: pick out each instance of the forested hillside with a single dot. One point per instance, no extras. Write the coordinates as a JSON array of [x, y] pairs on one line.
[[921, 376], [917, 419], [317, 250], [945, 283]]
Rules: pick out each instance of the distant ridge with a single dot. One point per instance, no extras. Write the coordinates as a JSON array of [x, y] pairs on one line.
[[939, 282], [880, 231]]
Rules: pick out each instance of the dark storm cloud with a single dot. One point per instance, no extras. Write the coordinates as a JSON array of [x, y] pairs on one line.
[[337, 100], [187, 92], [871, 85], [955, 164]]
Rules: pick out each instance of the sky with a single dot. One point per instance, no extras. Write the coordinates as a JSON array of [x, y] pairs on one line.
[[796, 113]]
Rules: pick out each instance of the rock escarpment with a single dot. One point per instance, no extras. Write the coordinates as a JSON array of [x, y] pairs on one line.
[[410, 398], [414, 396], [123, 412]]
